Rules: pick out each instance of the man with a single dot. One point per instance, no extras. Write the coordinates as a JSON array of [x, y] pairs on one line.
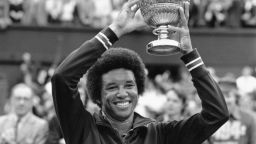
[[241, 127], [115, 79], [4, 14], [21, 126]]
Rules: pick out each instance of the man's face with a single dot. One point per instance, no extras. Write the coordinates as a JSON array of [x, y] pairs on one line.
[[174, 104], [119, 93], [22, 100]]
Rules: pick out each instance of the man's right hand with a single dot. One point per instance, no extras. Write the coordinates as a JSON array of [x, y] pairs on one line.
[[125, 21]]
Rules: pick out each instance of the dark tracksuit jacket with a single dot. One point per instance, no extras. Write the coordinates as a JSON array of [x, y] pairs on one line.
[[80, 127]]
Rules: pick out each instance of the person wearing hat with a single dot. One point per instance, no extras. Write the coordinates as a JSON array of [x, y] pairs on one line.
[[115, 79]]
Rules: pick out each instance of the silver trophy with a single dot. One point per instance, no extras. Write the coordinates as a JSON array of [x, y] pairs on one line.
[[158, 14]]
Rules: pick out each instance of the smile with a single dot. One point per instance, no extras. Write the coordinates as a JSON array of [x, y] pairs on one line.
[[122, 104]]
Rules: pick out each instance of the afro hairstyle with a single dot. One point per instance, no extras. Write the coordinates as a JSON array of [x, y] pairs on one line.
[[114, 58]]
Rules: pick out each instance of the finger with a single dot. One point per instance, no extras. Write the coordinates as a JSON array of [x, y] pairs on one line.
[[131, 3], [183, 17], [174, 29], [186, 8], [135, 7]]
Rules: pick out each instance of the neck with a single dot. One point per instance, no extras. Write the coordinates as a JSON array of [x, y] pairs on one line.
[[121, 126], [20, 116]]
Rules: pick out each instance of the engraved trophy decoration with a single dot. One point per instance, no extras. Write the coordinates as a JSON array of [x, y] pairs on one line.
[[158, 14]]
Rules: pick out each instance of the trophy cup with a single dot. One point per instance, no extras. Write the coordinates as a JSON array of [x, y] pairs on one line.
[[158, 14]]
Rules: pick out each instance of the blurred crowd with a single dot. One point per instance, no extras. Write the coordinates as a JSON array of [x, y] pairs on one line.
[[167, 97], [99, 13]]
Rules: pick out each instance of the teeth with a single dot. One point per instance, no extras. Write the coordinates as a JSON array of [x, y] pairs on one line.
[[122, 104]]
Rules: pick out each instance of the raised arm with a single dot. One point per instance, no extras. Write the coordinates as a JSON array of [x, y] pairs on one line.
[[214, 112], [74, 120], [68, 106]]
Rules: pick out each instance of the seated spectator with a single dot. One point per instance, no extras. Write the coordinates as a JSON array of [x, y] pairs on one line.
[[150, 104], [67, 13], [35, 13], [21, 125], [184, 83], [4, 14], [197, 10], [16, 10], [234, 13], [85, 10], [53, 11], [246, 83], [249, 13], [194, 104], [102, 13], [247, 101], [29, 69], [216, 13], [175, 106]]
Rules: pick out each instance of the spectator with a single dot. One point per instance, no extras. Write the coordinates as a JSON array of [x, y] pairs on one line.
[[184, 84], [102, 13], [249, 13], [194, 104], [53, 11], [85, 10], [234, 13], [150, 104], [246, 83], [197, 10], [175, 106], [21, 125], [29, 69], [4, 14], [247, 101], [35, 13], [67, 13], [241, 127], [216, 13], [16, 10]]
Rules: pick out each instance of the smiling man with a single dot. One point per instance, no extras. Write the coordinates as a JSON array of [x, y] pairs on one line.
[[115, 80]]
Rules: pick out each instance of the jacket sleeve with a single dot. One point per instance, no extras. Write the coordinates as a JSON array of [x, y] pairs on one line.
[[72, 116], [214, 111]]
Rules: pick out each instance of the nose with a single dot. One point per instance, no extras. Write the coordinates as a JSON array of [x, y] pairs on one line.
[[21, 101], [122, 93]]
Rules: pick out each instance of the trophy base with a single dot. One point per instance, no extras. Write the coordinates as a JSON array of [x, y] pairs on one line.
[[163, 47]]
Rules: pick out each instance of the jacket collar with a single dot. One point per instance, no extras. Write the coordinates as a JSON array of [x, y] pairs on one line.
[[138, 120], [13, 117]]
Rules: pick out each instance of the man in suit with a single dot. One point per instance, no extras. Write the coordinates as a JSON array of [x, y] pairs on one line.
[[21, 125]]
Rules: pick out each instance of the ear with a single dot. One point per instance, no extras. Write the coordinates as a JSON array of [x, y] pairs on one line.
[[98, 102]]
